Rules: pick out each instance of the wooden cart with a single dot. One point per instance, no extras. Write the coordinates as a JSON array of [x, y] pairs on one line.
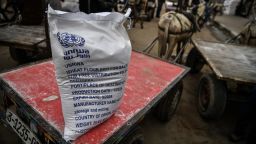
[[31, 97], [233, 72], [25, 42]]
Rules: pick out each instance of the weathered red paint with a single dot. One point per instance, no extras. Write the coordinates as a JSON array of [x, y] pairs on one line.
[[147, 77]]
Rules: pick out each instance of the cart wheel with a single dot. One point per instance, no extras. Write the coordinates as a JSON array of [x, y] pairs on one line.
[[166, 108], [212, 97], [194, 61], [20, 55], [135, 136]]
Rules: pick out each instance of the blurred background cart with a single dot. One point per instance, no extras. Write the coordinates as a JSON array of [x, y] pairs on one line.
[[25, 42], [233, 73], [22, 29]]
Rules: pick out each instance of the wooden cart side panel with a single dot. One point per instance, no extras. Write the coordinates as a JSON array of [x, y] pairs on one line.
[[25, 37], [148, 80], [230, 62]]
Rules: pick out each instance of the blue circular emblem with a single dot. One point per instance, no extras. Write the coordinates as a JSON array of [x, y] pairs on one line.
[[69, 40]]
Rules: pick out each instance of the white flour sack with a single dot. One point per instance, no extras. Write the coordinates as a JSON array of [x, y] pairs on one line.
[[91, 55]]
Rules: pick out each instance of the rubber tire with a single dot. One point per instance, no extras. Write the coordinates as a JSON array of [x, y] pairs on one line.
[[135, 136], [195, 61], [165, 109], [19, 55], [217, 91]]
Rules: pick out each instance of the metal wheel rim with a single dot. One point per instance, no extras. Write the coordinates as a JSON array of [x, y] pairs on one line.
[[204, 95], [174, 103]]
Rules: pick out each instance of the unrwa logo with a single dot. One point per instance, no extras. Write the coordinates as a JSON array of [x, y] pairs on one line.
[[69, 40]]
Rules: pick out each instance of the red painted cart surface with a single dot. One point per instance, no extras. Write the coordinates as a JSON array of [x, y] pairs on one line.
[[148, 80]]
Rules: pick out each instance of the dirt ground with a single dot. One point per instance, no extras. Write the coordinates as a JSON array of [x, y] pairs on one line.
[[186, 127]]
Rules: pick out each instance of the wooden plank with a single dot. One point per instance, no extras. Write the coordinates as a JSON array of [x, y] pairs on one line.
[[234, 62], [27, 36]]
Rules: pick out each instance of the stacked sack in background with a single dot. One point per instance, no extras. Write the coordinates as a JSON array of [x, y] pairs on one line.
[[230, 6]]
